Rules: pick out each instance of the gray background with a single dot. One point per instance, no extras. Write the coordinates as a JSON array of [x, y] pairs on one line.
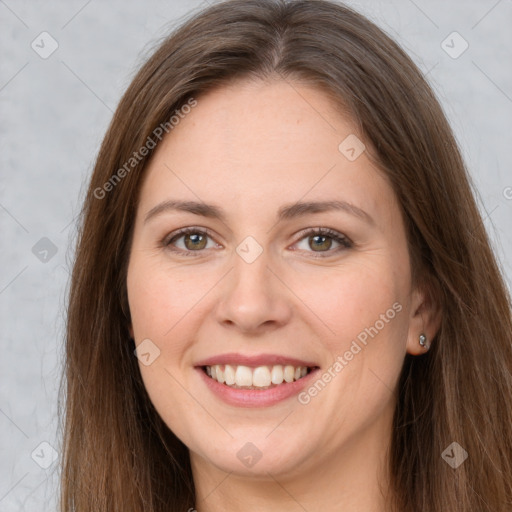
[[54, 113]]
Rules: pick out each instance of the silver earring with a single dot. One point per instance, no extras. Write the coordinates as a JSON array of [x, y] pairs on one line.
[[423, 340]]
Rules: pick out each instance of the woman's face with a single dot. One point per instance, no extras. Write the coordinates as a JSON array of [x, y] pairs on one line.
[[254, 286]]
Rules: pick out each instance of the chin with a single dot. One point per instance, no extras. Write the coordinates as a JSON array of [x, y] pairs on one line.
[[258, 459]]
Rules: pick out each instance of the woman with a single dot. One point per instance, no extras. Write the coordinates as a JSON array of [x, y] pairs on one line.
[[216, 360]]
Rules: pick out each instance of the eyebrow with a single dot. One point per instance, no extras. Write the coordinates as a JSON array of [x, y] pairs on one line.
[[286, 212]]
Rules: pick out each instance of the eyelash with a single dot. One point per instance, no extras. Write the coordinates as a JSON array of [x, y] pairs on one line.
[[344, 241]]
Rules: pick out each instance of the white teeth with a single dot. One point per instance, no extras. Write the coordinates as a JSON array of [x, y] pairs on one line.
[[277, 374], [243, 376], [229, 375], [289, 373], [259, 377]]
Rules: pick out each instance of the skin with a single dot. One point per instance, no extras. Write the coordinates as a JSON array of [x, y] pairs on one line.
[[251, 148]]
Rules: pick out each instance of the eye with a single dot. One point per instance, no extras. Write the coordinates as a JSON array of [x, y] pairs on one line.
[[320, 240], [194, 240]]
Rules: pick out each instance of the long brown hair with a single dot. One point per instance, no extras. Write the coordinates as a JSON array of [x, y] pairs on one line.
[[118, 455]]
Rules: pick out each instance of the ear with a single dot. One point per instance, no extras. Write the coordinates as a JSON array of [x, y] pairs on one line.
[[425, 319]]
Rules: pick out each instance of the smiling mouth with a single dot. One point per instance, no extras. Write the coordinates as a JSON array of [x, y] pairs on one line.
[[260, 377]]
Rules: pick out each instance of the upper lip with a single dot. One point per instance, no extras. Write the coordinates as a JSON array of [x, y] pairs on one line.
[[254, 360]]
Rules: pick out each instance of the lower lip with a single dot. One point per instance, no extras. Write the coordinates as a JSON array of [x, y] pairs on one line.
[[254, 397]]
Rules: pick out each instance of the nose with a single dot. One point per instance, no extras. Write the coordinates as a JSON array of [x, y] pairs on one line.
[[252, 298]]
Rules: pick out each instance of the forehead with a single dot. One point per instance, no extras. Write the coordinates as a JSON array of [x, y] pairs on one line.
[[262, 142], [277, 119]]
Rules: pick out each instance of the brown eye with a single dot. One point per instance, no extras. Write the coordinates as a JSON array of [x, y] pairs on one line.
[[320, 242], [194, 241], [187, 241]]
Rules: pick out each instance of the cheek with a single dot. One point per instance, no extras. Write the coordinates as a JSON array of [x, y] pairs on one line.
[[365, 310], [353, 298], [161, 300], [160, 296], [167, 304]]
